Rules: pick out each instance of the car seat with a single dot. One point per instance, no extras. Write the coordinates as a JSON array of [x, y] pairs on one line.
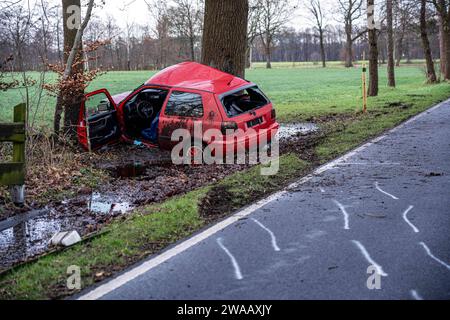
[[151, 134]]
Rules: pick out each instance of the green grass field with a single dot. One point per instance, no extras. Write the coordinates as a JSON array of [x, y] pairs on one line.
[[298, 92]]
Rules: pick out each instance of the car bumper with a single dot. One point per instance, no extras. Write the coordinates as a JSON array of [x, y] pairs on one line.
[[249, 140]]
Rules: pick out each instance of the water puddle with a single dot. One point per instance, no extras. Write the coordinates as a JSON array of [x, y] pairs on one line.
[[131, 170], [103, 204], [293, 130], [27, 235]]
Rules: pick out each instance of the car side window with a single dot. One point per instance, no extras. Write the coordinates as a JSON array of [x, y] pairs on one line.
[[97, 104], [185, 104]]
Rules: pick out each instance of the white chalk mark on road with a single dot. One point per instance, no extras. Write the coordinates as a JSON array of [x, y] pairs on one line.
[[369, 259], [384, 192], [272, 235], [344, 212], [416, 295], [405, 217], [237, 270], [433, 256]]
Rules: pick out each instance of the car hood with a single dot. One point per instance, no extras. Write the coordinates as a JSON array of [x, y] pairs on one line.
[[118, 98]]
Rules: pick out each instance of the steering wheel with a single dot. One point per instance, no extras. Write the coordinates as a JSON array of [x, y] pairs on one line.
[[145, 110]]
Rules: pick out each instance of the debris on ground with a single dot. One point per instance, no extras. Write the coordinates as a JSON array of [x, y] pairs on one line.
[[66, 239]]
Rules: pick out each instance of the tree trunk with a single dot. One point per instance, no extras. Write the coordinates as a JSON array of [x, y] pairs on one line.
[[373, 57], [249, 57], [69, 39], [192, 47], [431, 73], [225, 35], [268, 49], [349, 47], [399, 50], [322, 49], [446, 38], [390, 44], [442, 46], [443, 9]]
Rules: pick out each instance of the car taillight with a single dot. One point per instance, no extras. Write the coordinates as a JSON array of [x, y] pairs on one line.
[[229, 127], [274, 114]]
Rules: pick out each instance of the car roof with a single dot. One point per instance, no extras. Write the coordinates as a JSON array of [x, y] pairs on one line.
[[196, 76]]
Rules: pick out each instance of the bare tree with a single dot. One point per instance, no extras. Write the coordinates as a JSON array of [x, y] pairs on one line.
[[350, 11], [390, 43], [403, 17], [315, 9], [431, 73], [443, 9], [161, 31], [373, 50], [443, 61], [18, 21], [73, 41], [253, 30], [225, 35], [186, 19], [274, 15], [112, 31]]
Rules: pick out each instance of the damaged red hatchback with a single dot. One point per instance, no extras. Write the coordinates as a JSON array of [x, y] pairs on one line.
[[175, 98]]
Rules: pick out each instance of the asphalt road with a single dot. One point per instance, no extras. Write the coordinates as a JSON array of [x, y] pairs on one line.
[[387, 205]]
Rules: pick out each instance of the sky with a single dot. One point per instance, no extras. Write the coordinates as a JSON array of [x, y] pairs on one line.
[[136, 11]]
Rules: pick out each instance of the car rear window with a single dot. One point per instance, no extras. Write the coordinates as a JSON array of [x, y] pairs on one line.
[[184, 104], [244, 101]]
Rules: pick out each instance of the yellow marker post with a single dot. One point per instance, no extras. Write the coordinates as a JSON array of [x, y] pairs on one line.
[[364, 83]]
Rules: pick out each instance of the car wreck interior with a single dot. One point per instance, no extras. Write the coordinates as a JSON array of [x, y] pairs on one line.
[[141, 114], [244, 101]]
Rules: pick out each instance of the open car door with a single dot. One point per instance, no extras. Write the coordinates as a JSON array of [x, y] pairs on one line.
[[98, 122]]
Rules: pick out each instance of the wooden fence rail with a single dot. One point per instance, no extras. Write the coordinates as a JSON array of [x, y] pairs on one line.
[[13, 174]]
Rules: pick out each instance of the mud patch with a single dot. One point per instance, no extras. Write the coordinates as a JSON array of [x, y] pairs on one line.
[[303, 146], [217, 203], [398, 105], [334, 117], [294, 130]]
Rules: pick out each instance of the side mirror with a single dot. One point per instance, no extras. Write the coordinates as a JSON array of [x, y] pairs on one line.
[[103, 106]]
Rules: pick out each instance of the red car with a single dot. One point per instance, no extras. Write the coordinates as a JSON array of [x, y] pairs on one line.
[[176, 98]]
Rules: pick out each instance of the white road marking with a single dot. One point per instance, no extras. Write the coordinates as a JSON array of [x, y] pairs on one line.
[[369, 259], [405, 217], [416, 295], [344, 212], [272, 235], [237, 270], [384, 192], [433, 256], [373, 164], [152, 263]]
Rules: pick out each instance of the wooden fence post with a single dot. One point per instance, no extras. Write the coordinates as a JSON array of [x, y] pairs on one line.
[[13, 174]]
